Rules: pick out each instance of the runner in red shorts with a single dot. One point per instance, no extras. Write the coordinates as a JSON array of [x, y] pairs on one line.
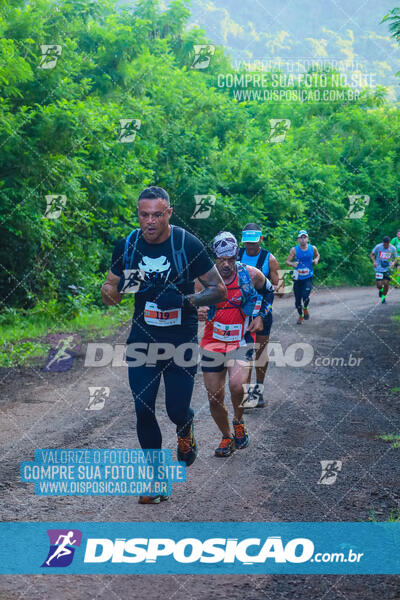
[[228, 340]]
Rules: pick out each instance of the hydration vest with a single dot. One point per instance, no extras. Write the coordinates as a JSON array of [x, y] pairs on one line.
[[262, 257], [248, 293]]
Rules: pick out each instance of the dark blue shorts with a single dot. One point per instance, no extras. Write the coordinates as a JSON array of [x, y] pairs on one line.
[[386, 275]]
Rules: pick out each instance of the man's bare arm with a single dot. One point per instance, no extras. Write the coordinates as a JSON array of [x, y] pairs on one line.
[[275, 275], [202, 310], [290, 258], [256, 276], [214, 289], [109, 290], [316, 255], [273, 270], [197, 286]]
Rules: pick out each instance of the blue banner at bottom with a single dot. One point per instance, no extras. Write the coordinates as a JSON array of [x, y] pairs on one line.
[[200, 548]]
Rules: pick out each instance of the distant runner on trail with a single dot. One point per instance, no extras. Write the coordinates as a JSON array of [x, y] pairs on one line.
[[159, 263], [396, 243], [384, 257], [302, 257], [253, 255]]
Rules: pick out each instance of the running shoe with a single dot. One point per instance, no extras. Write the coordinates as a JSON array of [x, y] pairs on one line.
[[187, 448], [306, 314], [383, 299], [241, 436], [152, 499], [226, 447], [300, 320]]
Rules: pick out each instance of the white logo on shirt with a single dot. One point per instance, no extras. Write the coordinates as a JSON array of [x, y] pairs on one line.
[[153, 266]]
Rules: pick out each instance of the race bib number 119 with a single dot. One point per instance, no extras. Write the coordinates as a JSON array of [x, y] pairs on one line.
[[161, 318]]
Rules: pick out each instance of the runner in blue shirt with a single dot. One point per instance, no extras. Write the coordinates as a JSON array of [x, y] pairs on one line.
[[253, 255], [396, 243], [383, 257], [302, 257]]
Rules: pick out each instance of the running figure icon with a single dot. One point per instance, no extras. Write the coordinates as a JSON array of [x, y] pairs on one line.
[[61, 357], [62, 549]]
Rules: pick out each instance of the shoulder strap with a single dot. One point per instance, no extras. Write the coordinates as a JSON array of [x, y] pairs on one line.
[[241, 252], [247, 288], [261, 258], [130, 247], [244, 277], [178, 250]]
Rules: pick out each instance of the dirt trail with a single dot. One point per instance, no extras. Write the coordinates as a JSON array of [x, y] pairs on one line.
[[321, 411]]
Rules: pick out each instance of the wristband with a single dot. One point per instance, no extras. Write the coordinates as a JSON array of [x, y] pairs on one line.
[[263, 313]]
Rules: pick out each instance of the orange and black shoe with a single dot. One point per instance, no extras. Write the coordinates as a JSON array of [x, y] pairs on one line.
[[226, 447], [187, 448], [240, 435], [306, 314], [300, 320], [152, 499]]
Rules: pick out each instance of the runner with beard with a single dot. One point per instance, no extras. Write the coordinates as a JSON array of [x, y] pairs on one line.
[[159, 263], [228, 339]]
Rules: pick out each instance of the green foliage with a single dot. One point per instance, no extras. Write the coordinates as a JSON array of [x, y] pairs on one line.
[[21, 353], [391, 437], [23, 333], [393, 18], [59, 131], [337, 30], [392, 517]]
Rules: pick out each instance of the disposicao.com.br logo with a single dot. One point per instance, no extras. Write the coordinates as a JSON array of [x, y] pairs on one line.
[[247, 551], [201, 547]]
